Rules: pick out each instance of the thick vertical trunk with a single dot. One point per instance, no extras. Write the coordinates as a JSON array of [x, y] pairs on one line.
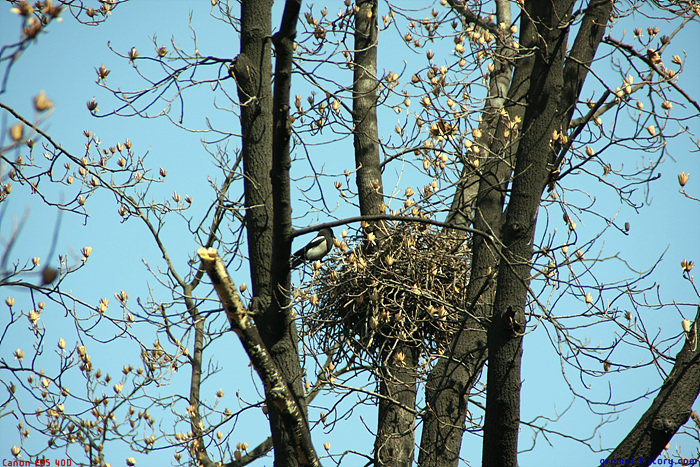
[[395, 440], [451, 379], [548, 110], [394, 444], [364, 106], [252, 71], [265, 153]]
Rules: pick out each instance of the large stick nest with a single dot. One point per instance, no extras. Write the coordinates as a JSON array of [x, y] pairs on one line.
[[409, 290]]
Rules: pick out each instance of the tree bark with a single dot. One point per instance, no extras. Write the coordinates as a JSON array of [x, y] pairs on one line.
[[265, 151], [364, 106], [395, 441], [252, 70], [452, 377], [551, 102], [671, 408]]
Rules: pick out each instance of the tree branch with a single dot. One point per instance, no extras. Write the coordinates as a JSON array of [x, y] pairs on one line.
[[671, 407], [276, 390]]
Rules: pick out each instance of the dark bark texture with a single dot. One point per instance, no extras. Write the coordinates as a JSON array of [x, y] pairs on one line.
[[252, 70], [395, 441], [265, 151], [555, 83], [671, 407], [365, 132]]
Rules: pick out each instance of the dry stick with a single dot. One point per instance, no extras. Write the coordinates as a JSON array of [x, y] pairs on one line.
[[276, 389]]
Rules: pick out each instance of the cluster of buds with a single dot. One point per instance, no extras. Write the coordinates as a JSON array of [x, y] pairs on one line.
[[240, 448], [84, 358], [92, 105], [559, 137], [33, 317], [102, 72], [122, 296], [133, 54], [310, 19], [392, 78], [687, 265], [5, 190], [86, 251], [512, 125], [33, 26]]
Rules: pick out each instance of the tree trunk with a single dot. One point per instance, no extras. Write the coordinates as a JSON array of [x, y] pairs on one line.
[[395, 440], [364, 106], [552, 100], [252, 71], [394, 444], [452, 377], [266, 209], [671, 408]]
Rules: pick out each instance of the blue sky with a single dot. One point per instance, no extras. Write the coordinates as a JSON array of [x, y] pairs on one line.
[[63, 63]]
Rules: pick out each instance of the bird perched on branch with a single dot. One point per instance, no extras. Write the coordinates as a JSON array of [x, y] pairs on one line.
[[316, 248]]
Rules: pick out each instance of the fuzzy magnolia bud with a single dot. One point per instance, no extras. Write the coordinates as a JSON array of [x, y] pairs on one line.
[[86, 251], [102, 72], [92, 105], [687, 265], [16, 131], [686, 325], [42, 103]]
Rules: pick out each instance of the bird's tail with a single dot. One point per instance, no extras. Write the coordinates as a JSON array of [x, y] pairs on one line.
[[296, 262]]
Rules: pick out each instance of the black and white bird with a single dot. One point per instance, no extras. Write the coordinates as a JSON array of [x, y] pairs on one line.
[[316, 249]]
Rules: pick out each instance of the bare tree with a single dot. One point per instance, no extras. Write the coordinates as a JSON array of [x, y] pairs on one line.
[[445, 273]]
